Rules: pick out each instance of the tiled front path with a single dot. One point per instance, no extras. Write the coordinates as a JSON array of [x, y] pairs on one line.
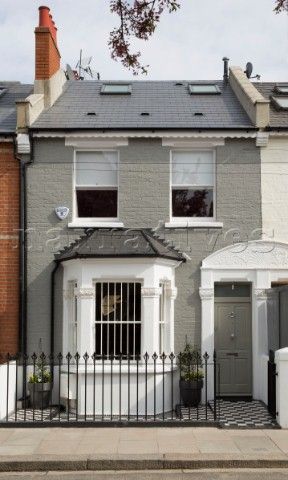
[[170, 442]]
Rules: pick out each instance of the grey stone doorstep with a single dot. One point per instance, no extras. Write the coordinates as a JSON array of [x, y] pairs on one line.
[[41, 463]]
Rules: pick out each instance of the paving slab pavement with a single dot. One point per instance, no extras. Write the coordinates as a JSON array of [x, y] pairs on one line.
[[239, 474], [43, 449]]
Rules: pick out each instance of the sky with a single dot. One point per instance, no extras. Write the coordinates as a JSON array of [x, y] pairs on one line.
[[188, 44]]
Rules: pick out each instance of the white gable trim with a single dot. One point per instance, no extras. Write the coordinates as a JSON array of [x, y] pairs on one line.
[[251, 255]]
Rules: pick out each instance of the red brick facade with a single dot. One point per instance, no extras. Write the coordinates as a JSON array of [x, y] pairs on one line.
[[9, 249]]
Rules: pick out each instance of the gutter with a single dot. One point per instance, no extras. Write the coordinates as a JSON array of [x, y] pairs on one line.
[[151, 129], [22, 249], [277, 129]]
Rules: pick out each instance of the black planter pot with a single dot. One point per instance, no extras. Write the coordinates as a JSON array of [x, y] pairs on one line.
[[191, 392], [40, 394]]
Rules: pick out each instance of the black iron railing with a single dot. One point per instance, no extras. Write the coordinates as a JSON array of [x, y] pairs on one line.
[[87, 389]]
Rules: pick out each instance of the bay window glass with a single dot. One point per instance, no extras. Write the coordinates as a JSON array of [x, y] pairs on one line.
[[96, 179], [118, 319], [193, 184]]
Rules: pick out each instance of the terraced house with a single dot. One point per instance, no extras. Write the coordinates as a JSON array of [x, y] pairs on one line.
[[149, 209]]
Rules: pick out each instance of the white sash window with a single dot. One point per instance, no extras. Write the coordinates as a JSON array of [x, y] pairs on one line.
[[96, 184], [193, 185]]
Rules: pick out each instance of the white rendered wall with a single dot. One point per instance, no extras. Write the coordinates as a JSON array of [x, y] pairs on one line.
[[274, 185], [107, 395], [8, 395]]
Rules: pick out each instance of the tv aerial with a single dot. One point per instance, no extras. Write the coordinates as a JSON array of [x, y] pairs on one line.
[[249, 70], [84, 69]]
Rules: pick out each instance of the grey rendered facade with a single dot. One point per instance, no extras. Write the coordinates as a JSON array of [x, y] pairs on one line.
[[144, 201]]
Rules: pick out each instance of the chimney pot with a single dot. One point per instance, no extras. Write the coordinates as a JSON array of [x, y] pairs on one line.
[[44, 17], [47, 61]]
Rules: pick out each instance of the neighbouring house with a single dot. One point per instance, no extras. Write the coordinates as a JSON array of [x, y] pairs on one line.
[[274, 177], [9, 218], [145, 206]]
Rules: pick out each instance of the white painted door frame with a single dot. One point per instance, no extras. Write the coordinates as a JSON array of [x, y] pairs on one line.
[[260, 263]]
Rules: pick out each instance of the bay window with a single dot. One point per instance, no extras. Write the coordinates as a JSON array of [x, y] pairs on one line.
[[96, 184], [193, 185]]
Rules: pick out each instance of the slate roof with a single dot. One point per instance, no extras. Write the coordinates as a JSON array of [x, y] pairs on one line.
[[13, 91], [278, 118], [170, 107], [105, 243]]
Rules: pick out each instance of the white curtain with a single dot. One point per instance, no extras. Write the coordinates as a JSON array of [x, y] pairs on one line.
[[193, 168], [96, 169]]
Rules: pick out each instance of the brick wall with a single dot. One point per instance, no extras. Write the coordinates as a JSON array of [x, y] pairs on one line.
[[9, 251], [47, 56], [144, 193]]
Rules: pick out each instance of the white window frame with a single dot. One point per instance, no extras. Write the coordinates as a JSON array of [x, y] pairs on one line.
[[121, 281], [193, 220], [94, 221]]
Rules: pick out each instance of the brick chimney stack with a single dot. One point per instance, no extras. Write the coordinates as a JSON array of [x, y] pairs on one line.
[[47, 56]]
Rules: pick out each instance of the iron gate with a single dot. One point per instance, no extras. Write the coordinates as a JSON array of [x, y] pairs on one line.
[[272, 384]]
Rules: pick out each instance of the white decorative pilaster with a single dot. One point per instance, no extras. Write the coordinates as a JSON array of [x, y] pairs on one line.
[[171, 297], [85, 314], [260, 342], [207, 332], [207, 320], [150, 319]]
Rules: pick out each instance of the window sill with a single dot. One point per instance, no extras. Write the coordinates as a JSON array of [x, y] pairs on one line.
[[83, 224], [187, 224]]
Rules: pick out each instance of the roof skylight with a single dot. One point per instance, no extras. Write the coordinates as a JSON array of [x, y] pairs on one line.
[[116, 88], [281, 89], [281, 102], [203, 89]]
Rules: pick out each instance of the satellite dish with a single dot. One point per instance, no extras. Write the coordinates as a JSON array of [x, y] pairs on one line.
[[70, 73], [249, 70], [85, 69], [84, 62]]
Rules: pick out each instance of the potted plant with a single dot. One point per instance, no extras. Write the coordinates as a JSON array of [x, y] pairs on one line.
[[40, 384], [191, 376]]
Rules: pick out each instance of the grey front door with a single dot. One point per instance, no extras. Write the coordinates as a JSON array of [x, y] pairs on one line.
[[233, 341]]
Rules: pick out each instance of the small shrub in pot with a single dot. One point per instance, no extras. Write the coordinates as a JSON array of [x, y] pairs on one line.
[[191, 376], [40, 384]]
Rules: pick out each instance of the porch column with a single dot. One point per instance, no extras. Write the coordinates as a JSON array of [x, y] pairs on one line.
[[85, 317], [150, 319], [207, 320], [207, 335], [260, 345]]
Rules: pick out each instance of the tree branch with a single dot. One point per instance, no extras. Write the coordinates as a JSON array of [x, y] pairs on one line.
[[138, 19]]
